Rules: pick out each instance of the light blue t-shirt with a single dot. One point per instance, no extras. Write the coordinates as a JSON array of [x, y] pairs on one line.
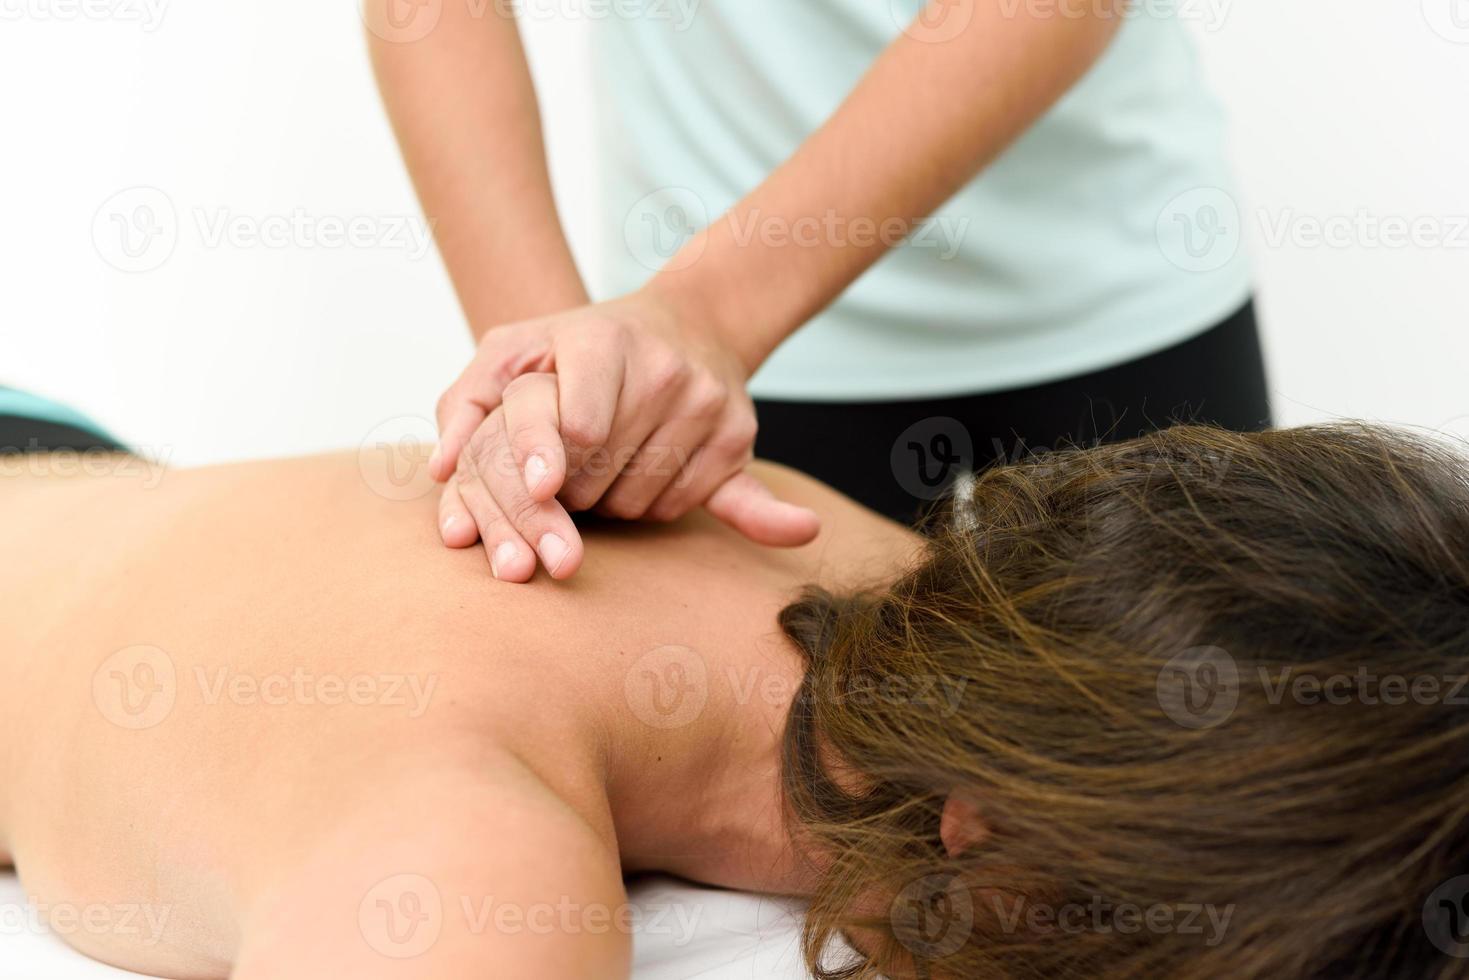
[[24, 405], [1107, 232]]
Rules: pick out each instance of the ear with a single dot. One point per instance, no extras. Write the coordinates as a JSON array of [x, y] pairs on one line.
[[960, 824]]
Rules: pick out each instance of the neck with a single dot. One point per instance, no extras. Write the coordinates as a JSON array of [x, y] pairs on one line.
[[694, 769]]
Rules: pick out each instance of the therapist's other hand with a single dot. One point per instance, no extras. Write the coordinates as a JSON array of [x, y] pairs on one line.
[[615, 407]]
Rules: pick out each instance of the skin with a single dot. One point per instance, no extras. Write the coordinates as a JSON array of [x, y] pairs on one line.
[[269, 831], [663, 369]]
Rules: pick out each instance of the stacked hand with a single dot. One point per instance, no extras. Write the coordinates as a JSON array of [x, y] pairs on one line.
[[615, 407]]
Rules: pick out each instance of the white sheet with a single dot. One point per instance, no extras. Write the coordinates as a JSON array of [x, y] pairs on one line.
[[688, 932]]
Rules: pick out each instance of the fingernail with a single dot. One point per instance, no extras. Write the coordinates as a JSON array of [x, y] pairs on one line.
[[503, 555], [433, 461], [553, 552], [536, 470], [450, 521]]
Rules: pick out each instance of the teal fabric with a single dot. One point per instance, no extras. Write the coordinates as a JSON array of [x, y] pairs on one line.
[[25, 405], [1089, 243]]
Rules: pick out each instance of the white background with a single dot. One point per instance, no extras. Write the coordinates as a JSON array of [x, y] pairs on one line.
[[261, 109]]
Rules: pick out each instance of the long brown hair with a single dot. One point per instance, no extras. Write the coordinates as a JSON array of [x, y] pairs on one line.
[[1202, 691]]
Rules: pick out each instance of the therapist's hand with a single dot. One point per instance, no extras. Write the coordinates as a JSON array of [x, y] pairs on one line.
[[617, 407]]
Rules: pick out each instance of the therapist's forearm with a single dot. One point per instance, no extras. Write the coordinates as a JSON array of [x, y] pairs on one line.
[[925, 119], [464, 108]]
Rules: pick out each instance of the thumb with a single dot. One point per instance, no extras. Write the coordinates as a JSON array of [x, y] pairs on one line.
[[467, 403], [748, 506], [501, 355], [459, 417]]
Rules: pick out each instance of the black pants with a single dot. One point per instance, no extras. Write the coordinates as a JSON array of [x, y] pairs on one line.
[[897, 456], [19, 434]]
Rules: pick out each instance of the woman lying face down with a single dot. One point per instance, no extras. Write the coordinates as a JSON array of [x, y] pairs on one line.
[[1189, 706]]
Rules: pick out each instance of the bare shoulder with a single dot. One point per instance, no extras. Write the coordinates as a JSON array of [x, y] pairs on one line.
[[473, 871], [797, 487], [857, 546]]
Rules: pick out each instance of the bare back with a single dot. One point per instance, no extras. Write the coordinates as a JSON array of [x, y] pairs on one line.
[[207, 672]]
